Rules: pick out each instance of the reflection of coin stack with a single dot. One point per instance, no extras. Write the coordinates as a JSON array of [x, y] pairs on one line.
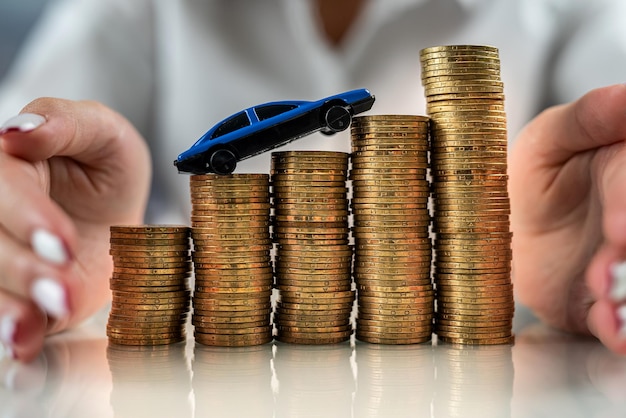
[[393, 249], [233, 271], [224, 376], [314, 381], [473, 381], [149, 381], [151, 268], [473, 243], [393, 380], [313, 259]]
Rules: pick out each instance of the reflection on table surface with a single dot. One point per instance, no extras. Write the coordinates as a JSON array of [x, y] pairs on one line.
[[546, 373]]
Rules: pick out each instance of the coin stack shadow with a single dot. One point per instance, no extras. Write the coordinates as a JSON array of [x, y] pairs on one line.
[[232, 259], [394, 379], [314, 381], [149, 381], [473, 381], [223, 376], [465, 101], [149, 284], [393, 248], [313, 255]]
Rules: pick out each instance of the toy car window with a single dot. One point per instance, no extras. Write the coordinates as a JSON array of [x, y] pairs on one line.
[[269, 111], [238, 121]]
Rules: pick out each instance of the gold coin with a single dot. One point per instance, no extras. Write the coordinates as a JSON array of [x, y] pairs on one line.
[[259, 330], [363, 327], [147, 321], [295, 267], [223, 328], [151, 295], [146, 229], [149, 242], [228, 320], [317, 296], [159, 331], [481, 341], [395, 288], [314, 250], [145, 341], [421, 335], [316, 340], [150, 264], [451, 49], [425, 310], [319, 263], [311, 288], [228, 178], [306, 177], [296, 155], [281, 328], [308, 324], [131, 311], [501, 317], [224, 312], [471, 334], [471, 325], [147, 289], [394, 323], [148, 254], [237, 257], [153, 271], [389, 119], [120, 284], [344, 311], [201, 298], [313, 306], [374, 339], [232, 340]]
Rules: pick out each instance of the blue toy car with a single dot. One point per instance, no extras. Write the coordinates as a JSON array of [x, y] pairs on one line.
[[267, 126]]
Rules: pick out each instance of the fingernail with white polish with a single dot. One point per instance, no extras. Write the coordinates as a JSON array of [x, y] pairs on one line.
[[51, 297], [617, 292], [48, 246], [6, 352], [24, 122], [7, 331]]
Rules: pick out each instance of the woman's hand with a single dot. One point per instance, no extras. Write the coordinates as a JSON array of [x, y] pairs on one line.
[[568, 199], [68, 170]]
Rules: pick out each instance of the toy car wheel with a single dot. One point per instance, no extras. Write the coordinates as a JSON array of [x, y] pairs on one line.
[[223, 161], [337, 118]]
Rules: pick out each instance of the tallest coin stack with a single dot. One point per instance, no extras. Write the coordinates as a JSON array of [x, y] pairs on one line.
[[465, 102]]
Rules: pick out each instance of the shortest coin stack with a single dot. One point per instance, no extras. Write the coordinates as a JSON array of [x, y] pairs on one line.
[[151, 268]]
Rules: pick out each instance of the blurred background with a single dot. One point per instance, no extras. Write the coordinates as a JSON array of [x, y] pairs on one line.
[[16, 19]]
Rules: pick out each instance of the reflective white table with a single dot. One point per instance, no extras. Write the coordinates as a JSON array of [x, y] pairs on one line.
[[545, 374]]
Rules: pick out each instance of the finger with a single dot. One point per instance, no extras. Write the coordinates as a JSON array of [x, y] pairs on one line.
[[613, 195], [22, 327], [595, 120], [86, 131], [606, 280], [24, 275], [29, 216], [604, 325]]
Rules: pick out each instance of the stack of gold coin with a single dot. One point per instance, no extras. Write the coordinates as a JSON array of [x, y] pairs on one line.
[[465, 102], [392, 262], [151, 269], [313, 257], [232, 264]]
